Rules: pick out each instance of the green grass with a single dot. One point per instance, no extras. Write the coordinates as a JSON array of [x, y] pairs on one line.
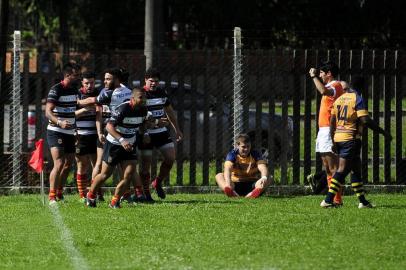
[[207, 232]]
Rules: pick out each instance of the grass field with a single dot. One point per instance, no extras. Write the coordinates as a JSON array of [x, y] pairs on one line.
[[203, 232]]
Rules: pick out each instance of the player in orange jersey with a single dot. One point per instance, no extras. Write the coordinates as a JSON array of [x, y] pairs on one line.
[[330, 89], [348, 113]]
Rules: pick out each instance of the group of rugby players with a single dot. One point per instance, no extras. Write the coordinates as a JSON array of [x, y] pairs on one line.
[[109, 129], [342, 116], [112, 128]]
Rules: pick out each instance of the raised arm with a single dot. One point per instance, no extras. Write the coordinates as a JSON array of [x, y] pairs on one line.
[[319, 84]]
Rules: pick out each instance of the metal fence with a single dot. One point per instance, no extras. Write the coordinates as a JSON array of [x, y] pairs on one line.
[[280, 106]]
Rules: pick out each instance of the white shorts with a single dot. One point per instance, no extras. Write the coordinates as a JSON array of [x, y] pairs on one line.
[[324, 144]]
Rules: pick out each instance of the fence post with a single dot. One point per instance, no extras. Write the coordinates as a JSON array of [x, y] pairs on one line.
[[398, 118], [15, 113], [237, 84]]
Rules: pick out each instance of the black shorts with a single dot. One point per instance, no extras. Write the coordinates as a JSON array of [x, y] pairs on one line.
[[157, 140], [86, 144], [63, 141], [243, 188], [114, 154], [349, 149]]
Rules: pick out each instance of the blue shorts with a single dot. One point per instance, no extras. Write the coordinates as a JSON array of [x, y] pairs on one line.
[[349, 149]]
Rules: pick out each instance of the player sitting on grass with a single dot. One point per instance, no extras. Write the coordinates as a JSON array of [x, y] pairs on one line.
[[120, 147], [245, 171]]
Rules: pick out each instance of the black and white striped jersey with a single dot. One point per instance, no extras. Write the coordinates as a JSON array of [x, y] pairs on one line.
[[105, 96], [86, 122], [65, 98], [114, 98], [157, 100], [126, 119]]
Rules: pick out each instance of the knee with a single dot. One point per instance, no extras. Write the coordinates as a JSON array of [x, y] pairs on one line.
[[59, 164], [219, 177]]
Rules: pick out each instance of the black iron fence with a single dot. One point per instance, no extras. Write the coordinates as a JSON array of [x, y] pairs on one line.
[[280, 107]]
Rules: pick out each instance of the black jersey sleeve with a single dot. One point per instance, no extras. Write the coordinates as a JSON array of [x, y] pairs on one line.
[[53, 95]]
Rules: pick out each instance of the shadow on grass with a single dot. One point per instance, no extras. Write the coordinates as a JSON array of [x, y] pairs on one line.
[[391, 206], [198, 202]]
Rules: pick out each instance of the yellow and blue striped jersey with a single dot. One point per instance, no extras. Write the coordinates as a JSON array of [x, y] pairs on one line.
[[244, 169], [347, 109]]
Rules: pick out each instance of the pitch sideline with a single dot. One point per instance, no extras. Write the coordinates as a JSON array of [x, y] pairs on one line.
[[79, 263]]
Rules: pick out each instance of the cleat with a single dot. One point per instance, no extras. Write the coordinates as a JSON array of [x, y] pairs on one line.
[[255, 193], [158, 188], [368, 205], [52, 202], [60, 198], [82, 200], [325, 204], [115, 206], [90, 202], [148, 199], [126, 198], [312, 183], [230, 192], [100, 198]]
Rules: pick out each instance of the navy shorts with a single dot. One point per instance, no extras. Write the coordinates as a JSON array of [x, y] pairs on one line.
[[86, 144], [243, 188], [157, 140], [349, 149], [114, 154], [65, 142]]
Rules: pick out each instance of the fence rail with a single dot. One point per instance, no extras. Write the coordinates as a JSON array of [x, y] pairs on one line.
[[280, 106]]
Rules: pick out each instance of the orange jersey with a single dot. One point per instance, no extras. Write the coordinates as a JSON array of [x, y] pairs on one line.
[[326, 103], [346, 110]]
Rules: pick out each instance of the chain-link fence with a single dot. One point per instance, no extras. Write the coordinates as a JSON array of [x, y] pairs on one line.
[[279, 108]]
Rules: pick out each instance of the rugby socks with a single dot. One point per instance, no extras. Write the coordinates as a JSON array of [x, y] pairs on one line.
[[255, 193], [91, 195], [52, 194], [338, 199], [59, 193], [81, 180], [358, 188], [229, 192], [115, 200], [335, 186]]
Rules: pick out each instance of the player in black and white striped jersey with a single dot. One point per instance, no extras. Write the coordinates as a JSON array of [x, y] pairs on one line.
[[120, 147], [86, 144], [60, 111], [114, 93], [159, 105]]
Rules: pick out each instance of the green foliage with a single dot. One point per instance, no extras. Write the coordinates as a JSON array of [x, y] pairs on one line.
[[207, 232]]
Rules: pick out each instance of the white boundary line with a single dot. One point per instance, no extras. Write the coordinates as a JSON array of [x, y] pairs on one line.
[[79, 263]]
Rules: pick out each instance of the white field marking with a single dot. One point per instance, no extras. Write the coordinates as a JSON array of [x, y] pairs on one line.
[[77, 259]]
